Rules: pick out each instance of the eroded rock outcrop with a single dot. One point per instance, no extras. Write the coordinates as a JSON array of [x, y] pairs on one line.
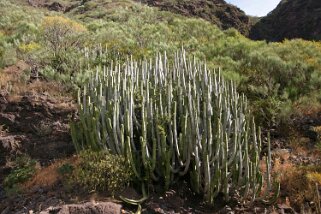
[[290, 19], [218, 12]]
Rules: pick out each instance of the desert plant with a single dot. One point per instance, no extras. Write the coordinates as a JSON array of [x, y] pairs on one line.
[[173, 120], [98, 171]]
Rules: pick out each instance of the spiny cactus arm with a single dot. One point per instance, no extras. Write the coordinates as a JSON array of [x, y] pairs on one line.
[[166, 156], [260, 182], [259, 140], [224, 167], [144, 154], [234, 144], [188, 158], [76, 134], [246, 177], [218, 139], [175, 139], [240, 165], [207, 178], [268, 164], [85, 127], [274, 198], [216, 181], [131, 160], [136, 202], [110, 141], [153, 138], [122, 138]]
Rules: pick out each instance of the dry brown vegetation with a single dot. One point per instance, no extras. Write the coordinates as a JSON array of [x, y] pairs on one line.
[[16, 81], [48, 176], [299, 184]]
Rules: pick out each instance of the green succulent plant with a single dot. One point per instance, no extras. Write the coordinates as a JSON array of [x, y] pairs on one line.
[[174, 119]]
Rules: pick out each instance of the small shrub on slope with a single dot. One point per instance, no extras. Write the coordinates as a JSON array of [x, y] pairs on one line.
[[100, 171], [23, 170], [62, 36]]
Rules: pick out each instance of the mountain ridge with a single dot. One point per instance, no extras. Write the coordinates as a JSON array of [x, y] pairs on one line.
[[290, 19], [218, 12]]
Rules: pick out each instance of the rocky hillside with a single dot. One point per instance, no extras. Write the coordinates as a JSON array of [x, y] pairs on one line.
[[291, 19], [219, 12]]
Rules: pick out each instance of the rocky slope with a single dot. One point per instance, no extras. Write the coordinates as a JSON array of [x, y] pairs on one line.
[[291, 19], [219, 12]]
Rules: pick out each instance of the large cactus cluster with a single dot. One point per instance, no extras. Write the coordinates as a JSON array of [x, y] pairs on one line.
[[174, 119]]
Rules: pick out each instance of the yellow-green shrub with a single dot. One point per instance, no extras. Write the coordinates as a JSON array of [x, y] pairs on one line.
[[30, 47], [63, 37], [100, 171], [62, 33]]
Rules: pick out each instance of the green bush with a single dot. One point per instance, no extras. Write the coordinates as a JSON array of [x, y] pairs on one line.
[[24, 169], [66, 169], [9, 56], [267, 110], [100, 171], [63, 37], [2, 49]]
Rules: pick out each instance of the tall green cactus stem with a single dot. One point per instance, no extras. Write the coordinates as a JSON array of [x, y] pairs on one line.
[[173, 119]]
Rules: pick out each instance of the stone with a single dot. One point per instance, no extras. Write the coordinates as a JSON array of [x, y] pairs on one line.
[[281, 153], [7, 119], [86, 208]]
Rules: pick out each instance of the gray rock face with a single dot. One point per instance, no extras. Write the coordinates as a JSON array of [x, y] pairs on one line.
[[290, 19], [86, 208]]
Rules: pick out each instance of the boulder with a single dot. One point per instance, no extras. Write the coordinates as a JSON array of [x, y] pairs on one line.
[[86, 208]]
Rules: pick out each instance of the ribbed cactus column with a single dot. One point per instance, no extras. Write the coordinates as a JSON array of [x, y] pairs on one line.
[[170, 120]]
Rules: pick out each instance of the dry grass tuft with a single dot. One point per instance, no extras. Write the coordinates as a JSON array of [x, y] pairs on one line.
[[298, 183], [15, 80], [49, 176], [314, 177]]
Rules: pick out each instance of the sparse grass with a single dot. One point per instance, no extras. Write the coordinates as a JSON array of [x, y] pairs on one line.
[[53, 88], [308, 105], [17, 84], [23, 169], [297, 183], [5, 81], [49, 176]]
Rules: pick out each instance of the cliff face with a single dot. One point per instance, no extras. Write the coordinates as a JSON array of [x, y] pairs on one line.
[[291, 19], [218, 12]]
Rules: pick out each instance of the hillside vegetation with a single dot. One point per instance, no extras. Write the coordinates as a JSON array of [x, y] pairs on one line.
[[261, 70], [146, 97]]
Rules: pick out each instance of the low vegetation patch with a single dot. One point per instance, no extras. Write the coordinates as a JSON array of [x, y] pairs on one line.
[[301, 184], [23, 169], [97, 171]]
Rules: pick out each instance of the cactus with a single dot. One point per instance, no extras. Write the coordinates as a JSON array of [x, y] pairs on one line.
[[170, 120]]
